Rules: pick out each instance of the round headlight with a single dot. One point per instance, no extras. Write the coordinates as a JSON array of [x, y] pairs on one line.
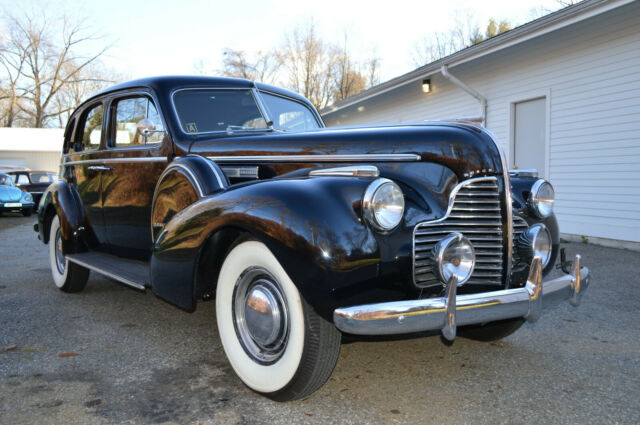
[[383, 204], [454, 257], [535, 242], [542, 198], [27, 197]]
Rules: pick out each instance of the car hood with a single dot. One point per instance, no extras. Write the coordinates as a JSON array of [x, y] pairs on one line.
[[10, 194], [465, 149]]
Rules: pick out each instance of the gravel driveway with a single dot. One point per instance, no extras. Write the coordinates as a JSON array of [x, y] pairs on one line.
[[114, 355]]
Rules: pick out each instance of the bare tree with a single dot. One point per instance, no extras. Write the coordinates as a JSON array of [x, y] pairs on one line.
[[38, 65], [465, 33], [309, 64], [262, 68], [348, 78]]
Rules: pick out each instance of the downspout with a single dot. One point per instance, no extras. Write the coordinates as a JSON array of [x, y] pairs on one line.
[[483, 101]]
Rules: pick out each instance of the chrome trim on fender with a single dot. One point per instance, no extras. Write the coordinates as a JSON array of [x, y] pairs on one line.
[[352, 171], [372, 157], [400, 317], [116, 160], [221, 183], [241, 172]]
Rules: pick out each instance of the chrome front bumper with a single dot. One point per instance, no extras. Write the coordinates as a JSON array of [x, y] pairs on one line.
[[446, 313]]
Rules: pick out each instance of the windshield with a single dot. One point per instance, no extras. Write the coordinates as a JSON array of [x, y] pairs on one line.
[[41, 178], [217, 110], [6, 180], [289, 115]]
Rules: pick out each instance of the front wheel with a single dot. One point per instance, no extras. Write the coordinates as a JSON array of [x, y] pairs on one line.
[[68, 276], [275, 342]]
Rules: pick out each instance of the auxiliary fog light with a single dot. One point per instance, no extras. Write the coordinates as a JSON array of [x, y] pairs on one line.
[[535, 242], [454, 257]]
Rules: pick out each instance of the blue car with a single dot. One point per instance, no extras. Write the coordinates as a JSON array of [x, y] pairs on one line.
[[12, 198]]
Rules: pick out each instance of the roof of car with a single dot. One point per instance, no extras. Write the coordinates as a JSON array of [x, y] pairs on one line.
[[170, 82]]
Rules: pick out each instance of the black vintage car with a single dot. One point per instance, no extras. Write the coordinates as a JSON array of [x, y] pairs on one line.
[[204, 188], [34, 182]]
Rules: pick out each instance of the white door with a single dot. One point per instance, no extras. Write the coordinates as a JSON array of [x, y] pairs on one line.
[[530, 132]]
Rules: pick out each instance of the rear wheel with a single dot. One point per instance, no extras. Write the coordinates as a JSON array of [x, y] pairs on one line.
[[273, 339], [68, 276], [492, 331]]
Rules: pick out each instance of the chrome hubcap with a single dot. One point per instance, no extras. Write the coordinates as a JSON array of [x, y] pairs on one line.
[[60, 260], [260, 315]]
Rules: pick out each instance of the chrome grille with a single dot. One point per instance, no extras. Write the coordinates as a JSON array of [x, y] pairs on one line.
[[475, 212], [519, 226]]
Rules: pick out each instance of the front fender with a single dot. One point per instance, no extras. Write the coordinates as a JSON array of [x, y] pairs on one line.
[[62, 199], [312, 225]]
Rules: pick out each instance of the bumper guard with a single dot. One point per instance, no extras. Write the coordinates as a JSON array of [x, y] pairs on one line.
[[445, 313]]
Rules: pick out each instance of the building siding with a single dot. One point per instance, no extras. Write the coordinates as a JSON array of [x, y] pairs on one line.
[[589, 73]]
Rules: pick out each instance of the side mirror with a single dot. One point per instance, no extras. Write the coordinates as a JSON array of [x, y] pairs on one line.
[[146, 127]]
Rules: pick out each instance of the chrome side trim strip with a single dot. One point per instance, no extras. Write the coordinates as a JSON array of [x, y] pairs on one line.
[[108, 274], [116, 160], [353, 171], [390, 157]]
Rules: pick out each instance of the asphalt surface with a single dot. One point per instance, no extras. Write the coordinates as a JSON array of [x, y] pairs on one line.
[[113, 355]]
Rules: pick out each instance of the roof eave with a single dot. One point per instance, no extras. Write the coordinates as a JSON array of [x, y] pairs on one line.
[[536, 28]]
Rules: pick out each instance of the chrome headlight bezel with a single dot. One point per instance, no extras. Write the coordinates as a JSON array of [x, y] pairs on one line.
[[462, 274], [528, 245], [541, 204], [372, 208]]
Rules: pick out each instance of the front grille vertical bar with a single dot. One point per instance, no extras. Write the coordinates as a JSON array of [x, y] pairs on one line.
[[508, 206]]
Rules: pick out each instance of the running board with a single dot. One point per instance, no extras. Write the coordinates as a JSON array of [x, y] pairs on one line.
[[130, 272]]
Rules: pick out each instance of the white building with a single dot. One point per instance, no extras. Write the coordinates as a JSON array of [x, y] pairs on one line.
[[34, 148], [562, 95]]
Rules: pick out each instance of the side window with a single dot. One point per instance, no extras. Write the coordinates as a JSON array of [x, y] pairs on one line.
[[22, 179], [133, 115], [92, 129]]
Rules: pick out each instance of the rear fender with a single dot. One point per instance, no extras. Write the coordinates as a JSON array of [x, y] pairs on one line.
[[63, 200], [312, 226]]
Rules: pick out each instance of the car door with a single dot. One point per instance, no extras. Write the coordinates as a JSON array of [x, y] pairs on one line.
[[136, 162], [83, 166]]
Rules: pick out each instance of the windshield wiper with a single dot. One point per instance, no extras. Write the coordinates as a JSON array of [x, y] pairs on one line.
[[239, 128]]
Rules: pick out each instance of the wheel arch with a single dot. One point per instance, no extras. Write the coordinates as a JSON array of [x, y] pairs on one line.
[[311, 225]]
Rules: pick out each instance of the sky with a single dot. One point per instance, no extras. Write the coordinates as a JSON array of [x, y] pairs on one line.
[[167, 37]]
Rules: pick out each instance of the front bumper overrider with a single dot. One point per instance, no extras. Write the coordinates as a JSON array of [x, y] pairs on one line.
[[445, 313]]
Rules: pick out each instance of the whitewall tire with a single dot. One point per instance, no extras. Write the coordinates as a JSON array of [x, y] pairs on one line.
[[67, 276], [275, 342]]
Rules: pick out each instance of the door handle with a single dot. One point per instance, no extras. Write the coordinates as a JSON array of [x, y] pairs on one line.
[[99, 168]]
